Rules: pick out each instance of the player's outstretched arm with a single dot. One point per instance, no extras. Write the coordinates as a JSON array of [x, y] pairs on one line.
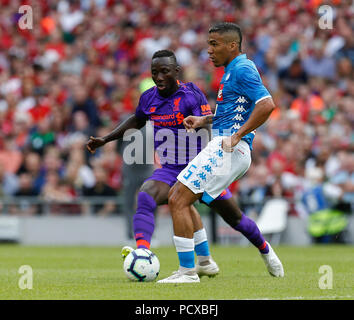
[[131, 123], [259, 115], [193, 122]]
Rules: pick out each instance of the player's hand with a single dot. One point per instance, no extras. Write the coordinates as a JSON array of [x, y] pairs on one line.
[[94, 143], [192, 122], [229, 143]]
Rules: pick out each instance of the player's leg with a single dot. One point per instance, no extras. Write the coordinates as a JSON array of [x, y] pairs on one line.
[[180, 200], [201, 245], [182, 195], [232, 214], [225, 168], [211, 172], [228, 209], [152, 193], [205, 266]]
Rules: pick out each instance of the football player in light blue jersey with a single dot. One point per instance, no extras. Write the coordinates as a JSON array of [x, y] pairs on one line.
[[240, 90], [243, 104]]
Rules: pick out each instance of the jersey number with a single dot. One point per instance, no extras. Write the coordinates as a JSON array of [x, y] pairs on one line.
[[189, 172]]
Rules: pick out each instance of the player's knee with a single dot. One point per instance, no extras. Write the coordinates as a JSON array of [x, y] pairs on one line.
[[145, 201], [174, 199], [237, 220], [150, 190]]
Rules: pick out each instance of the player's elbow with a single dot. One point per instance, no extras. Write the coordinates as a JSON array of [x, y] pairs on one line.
[[268, 106], [271, 105]]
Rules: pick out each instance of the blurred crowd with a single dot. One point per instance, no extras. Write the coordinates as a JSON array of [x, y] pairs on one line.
[[82, 67]]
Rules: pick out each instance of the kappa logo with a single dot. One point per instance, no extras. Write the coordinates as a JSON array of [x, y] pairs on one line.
[[152, 109], [240, 109], [241, 99], [237, 117], [220, 97], [236, 126]]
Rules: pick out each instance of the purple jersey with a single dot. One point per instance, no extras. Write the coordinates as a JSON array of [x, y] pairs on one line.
[[174, 146]]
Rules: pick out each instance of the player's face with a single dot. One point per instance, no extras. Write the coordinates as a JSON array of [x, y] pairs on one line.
[[219, 50], [164, 73]]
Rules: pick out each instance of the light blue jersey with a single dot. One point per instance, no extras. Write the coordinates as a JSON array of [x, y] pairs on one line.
[[240, 89]]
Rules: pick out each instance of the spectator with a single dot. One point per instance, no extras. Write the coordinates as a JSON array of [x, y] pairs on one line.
[[42, 136], [25, 207], [347, 51], [10, 157], [73, 63], [306, 103], [317, 64], [344, 177], [292, 77], [32, 165], [8, 182], [82, 102], [78, 172], [81, 124], [101, 189], [58, 194]]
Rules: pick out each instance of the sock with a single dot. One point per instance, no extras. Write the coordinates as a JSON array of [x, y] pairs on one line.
[[201, 246], [185, 251], [144, 221], [250, 230]]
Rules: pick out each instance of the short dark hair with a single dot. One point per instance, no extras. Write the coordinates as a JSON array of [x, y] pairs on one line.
[[164, 53], [224, 27]]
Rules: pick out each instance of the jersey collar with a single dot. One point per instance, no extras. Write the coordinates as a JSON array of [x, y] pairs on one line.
[[234, 61]]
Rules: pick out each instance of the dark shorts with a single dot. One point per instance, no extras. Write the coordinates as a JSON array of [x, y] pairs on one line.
[[169, 176]]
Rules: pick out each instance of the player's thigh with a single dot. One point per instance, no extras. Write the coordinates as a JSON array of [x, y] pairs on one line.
[[158, 190], [181, 196]]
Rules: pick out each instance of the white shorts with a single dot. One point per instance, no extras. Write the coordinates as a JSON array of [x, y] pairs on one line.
[[213, 169]]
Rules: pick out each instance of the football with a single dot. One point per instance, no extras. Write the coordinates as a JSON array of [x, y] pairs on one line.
[[141, 265]]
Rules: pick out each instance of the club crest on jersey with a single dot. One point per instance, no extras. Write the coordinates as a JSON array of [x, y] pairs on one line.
[[176, 104], [152, 109], [220, 97], [179, 117]]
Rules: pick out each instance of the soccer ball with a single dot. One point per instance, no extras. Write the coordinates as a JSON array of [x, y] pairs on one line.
[[141, 265]]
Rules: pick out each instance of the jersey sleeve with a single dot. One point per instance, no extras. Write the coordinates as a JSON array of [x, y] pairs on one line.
[[251, 85], [201, 107], [139, 111]]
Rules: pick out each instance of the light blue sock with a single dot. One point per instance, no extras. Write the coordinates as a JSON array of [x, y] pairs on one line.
[[185, 251], [201, 245], [202, 249], [186, 259]]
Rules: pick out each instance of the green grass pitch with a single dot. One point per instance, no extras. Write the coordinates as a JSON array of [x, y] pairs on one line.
[[96, 273]]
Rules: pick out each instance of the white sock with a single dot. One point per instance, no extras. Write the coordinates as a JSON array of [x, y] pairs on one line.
[[201, 246], [185, 251], [200, 236]]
